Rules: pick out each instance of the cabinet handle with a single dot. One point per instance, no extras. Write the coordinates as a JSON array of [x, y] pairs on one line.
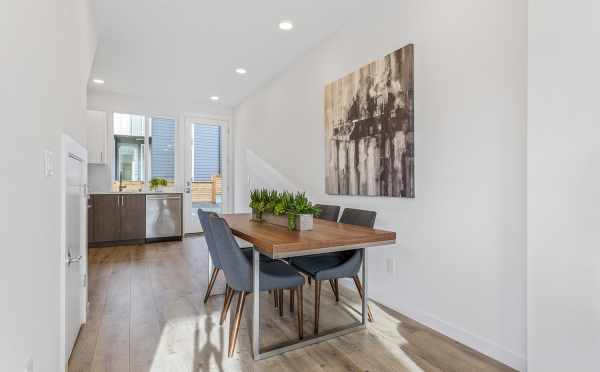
[[101, 157], [122, 201]]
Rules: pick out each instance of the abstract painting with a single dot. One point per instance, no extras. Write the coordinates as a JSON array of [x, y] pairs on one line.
[[369, 129]]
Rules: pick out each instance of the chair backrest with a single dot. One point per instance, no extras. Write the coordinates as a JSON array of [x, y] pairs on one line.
[[208, 235], [328, 212], [237, 268], [358, 217]]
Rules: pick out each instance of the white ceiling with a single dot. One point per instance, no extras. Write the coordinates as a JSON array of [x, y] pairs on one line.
[[189, 49]]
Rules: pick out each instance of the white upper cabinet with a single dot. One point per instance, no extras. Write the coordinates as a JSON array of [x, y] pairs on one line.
[[96, 137]]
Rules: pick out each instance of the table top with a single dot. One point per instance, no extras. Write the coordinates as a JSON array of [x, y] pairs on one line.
[[326, 236]]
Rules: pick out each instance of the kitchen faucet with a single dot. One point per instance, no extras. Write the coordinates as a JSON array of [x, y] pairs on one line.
[[121, 187]]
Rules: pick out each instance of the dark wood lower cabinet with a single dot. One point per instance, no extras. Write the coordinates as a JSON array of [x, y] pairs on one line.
[[116, 218], [133, 217], [90, 222], [107, 218]]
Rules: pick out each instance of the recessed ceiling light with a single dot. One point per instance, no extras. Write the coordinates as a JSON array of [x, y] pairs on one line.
[[214, 98], [98, 81], [286, 25], [240, 71]]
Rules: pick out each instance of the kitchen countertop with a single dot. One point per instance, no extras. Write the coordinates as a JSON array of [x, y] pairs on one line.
[[136, 193]]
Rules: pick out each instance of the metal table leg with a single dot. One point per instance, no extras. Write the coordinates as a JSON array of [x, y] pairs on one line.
[[277, 350], [256, 304]]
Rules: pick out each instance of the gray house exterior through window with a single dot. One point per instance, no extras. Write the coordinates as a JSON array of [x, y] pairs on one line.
[[207, 152], [162, 148]]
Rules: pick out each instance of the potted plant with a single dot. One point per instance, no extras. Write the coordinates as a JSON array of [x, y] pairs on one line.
[[300, 213], [259, 202], [156, 183]]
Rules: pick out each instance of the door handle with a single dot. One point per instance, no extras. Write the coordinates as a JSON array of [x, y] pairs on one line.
[[71, 259], [162, 197]]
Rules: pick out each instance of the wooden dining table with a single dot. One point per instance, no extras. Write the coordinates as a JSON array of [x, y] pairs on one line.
[[278, 242]]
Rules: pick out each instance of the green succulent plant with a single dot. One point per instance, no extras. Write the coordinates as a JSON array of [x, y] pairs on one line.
[[158, 181], [281, 204], [301, 205], [259, 200]]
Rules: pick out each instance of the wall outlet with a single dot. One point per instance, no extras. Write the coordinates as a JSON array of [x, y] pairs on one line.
[[390, 265]]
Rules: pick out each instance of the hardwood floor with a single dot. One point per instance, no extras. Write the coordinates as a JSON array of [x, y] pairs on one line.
[[146, 314]]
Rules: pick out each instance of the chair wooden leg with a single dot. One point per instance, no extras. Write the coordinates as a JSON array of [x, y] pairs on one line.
[[292, 299], [300, 313], [360, 292], [337, 290], [211, 283], [333, 284], [276, 298], [228, 296], [309, 281], [317, 305], [237, 320], [280, 300]]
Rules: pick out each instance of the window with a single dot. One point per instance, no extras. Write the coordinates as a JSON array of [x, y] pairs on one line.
[[207, 152], [129, 150], [137, 139], [162, 148]]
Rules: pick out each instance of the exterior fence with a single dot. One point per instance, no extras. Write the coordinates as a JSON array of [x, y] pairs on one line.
[[202, 191]]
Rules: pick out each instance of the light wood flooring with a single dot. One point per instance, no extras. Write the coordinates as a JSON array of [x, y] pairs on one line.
[[146, 314]]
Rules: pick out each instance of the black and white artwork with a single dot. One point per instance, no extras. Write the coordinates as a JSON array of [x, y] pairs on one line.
[[369, 129]]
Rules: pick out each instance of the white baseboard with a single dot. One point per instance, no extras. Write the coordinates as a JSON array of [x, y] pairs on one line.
[[477, 343]]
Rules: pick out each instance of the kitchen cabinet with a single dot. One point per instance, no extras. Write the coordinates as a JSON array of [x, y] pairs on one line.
[[96, 127], [90, 221], [107, 217], [133, 217], [117, 217]]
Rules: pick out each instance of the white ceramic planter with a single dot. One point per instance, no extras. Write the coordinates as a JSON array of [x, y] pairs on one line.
[[304, 222]]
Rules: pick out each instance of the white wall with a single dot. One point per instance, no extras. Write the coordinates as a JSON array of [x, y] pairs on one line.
[[563, 137], [99, 177], [45, 51], [461, 241]]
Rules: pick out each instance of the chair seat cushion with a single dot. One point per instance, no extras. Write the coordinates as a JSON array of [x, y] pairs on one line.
[[277, 274], [314, 265]]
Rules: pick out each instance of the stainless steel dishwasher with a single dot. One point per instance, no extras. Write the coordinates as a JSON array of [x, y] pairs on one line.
[[163, 216]]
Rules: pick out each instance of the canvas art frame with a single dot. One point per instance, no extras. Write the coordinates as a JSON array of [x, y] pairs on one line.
[[369, 129]]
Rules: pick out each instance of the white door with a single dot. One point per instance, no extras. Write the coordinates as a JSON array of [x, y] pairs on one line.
[[205, 169], [75, 197]]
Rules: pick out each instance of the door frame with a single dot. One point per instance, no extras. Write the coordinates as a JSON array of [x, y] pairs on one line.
[[225, 123], [70, 146]]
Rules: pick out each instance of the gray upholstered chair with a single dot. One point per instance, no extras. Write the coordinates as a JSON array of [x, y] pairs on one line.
[[203, 217], [212, 250], [274, 275], [334, 266], [328, 212]]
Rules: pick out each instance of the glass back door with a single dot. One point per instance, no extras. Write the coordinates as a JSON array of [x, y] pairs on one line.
[[205, 170]]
